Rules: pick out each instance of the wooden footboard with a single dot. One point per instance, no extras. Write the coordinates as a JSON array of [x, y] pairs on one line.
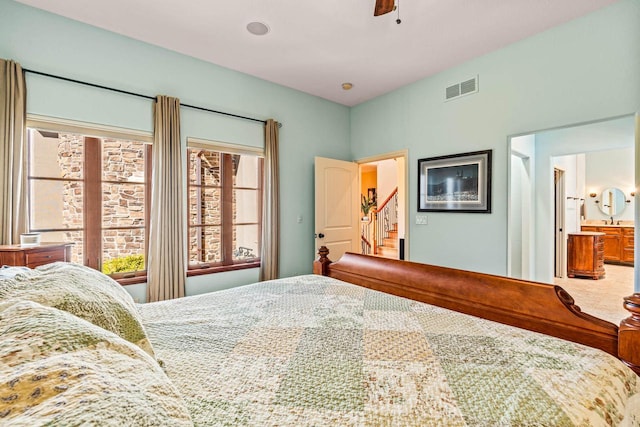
[[529, 305], [629, 334]]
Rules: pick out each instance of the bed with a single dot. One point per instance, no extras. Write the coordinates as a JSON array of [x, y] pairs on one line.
[[322, 349]]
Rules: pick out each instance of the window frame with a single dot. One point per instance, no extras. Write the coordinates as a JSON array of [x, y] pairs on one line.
[[226, 225], [92, 186]]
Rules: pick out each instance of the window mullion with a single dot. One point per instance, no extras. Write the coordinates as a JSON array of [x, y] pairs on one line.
[[93, 201], [227, 208], [260, 202], [148, 175], [200, 211]]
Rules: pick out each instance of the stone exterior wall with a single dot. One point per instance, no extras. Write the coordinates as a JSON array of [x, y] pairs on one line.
[[71, 162], [123, 203], [123, 200], [205, 243]]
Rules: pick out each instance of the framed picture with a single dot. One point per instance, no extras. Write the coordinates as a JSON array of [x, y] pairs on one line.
[[371, 194], [455, 183]]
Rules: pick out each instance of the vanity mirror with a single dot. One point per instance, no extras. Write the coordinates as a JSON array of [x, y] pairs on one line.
[[612, 201]]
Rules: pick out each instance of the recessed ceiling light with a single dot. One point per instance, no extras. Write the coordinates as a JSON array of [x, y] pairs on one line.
[[257, 28], [347, 86]]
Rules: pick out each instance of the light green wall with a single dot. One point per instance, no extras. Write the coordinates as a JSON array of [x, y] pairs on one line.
[[312, 126], [585, 70]]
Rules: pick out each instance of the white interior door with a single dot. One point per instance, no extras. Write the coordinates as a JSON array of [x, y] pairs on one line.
[[337, 206]]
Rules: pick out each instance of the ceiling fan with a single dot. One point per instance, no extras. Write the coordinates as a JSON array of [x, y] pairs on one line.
[[385, 6]]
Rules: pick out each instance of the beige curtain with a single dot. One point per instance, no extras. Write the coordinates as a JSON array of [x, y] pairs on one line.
[[166, 271], [270, 255], [13, 153]]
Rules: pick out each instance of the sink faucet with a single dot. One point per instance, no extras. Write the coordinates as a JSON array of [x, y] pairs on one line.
[[611, 220]]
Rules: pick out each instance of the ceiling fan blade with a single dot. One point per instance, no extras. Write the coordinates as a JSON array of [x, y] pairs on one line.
[[383, 6]]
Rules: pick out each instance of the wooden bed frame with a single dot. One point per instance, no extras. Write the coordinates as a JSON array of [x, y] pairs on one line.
[[539, 307]]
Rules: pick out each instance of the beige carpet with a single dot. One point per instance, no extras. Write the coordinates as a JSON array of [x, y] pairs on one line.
[[602, 298]]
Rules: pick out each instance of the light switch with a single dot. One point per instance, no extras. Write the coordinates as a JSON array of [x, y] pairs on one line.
[[421, 220]]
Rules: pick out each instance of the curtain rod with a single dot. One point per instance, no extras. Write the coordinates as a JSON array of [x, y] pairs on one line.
[[53, 76]]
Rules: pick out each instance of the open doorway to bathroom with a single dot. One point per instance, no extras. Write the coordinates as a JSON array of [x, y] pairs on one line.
[[593, 157]]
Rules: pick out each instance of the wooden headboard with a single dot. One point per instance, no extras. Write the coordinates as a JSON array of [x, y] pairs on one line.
[[529, 305]]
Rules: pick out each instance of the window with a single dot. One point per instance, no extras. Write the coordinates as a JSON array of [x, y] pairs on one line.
[[224, 209], [93, 191]]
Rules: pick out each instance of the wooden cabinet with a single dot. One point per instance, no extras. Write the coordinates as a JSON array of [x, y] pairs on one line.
[[612, 243], [33, 256], [618, 243], [627, 245], [585, 254]]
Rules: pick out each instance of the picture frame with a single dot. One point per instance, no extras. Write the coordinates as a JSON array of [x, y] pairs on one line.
[[455, 183], [371, 194]]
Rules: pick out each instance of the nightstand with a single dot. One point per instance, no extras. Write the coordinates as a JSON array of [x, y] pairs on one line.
[[33, 256]]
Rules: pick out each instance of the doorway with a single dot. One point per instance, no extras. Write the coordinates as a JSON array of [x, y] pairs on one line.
[[383, 210], [562, 148]]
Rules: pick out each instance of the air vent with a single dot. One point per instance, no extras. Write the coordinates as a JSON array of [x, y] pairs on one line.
[[453, 91], [457, 90]]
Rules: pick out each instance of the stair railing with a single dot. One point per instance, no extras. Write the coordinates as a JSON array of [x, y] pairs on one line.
[[366, 246], [387, 216], [365, 236]]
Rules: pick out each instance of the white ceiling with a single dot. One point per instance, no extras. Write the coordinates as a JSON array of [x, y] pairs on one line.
[[315, 46]]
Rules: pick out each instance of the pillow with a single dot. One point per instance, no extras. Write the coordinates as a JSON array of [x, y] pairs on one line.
[[7, 272], [81, 291], [57, 369]]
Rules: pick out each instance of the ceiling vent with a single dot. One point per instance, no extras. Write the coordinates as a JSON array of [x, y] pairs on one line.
[[457, 90]]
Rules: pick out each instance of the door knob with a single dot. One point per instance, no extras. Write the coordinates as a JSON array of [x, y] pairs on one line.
[[319, 236]]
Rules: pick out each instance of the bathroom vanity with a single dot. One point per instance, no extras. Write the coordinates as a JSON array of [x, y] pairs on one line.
[[618, 233], [618, 242]]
